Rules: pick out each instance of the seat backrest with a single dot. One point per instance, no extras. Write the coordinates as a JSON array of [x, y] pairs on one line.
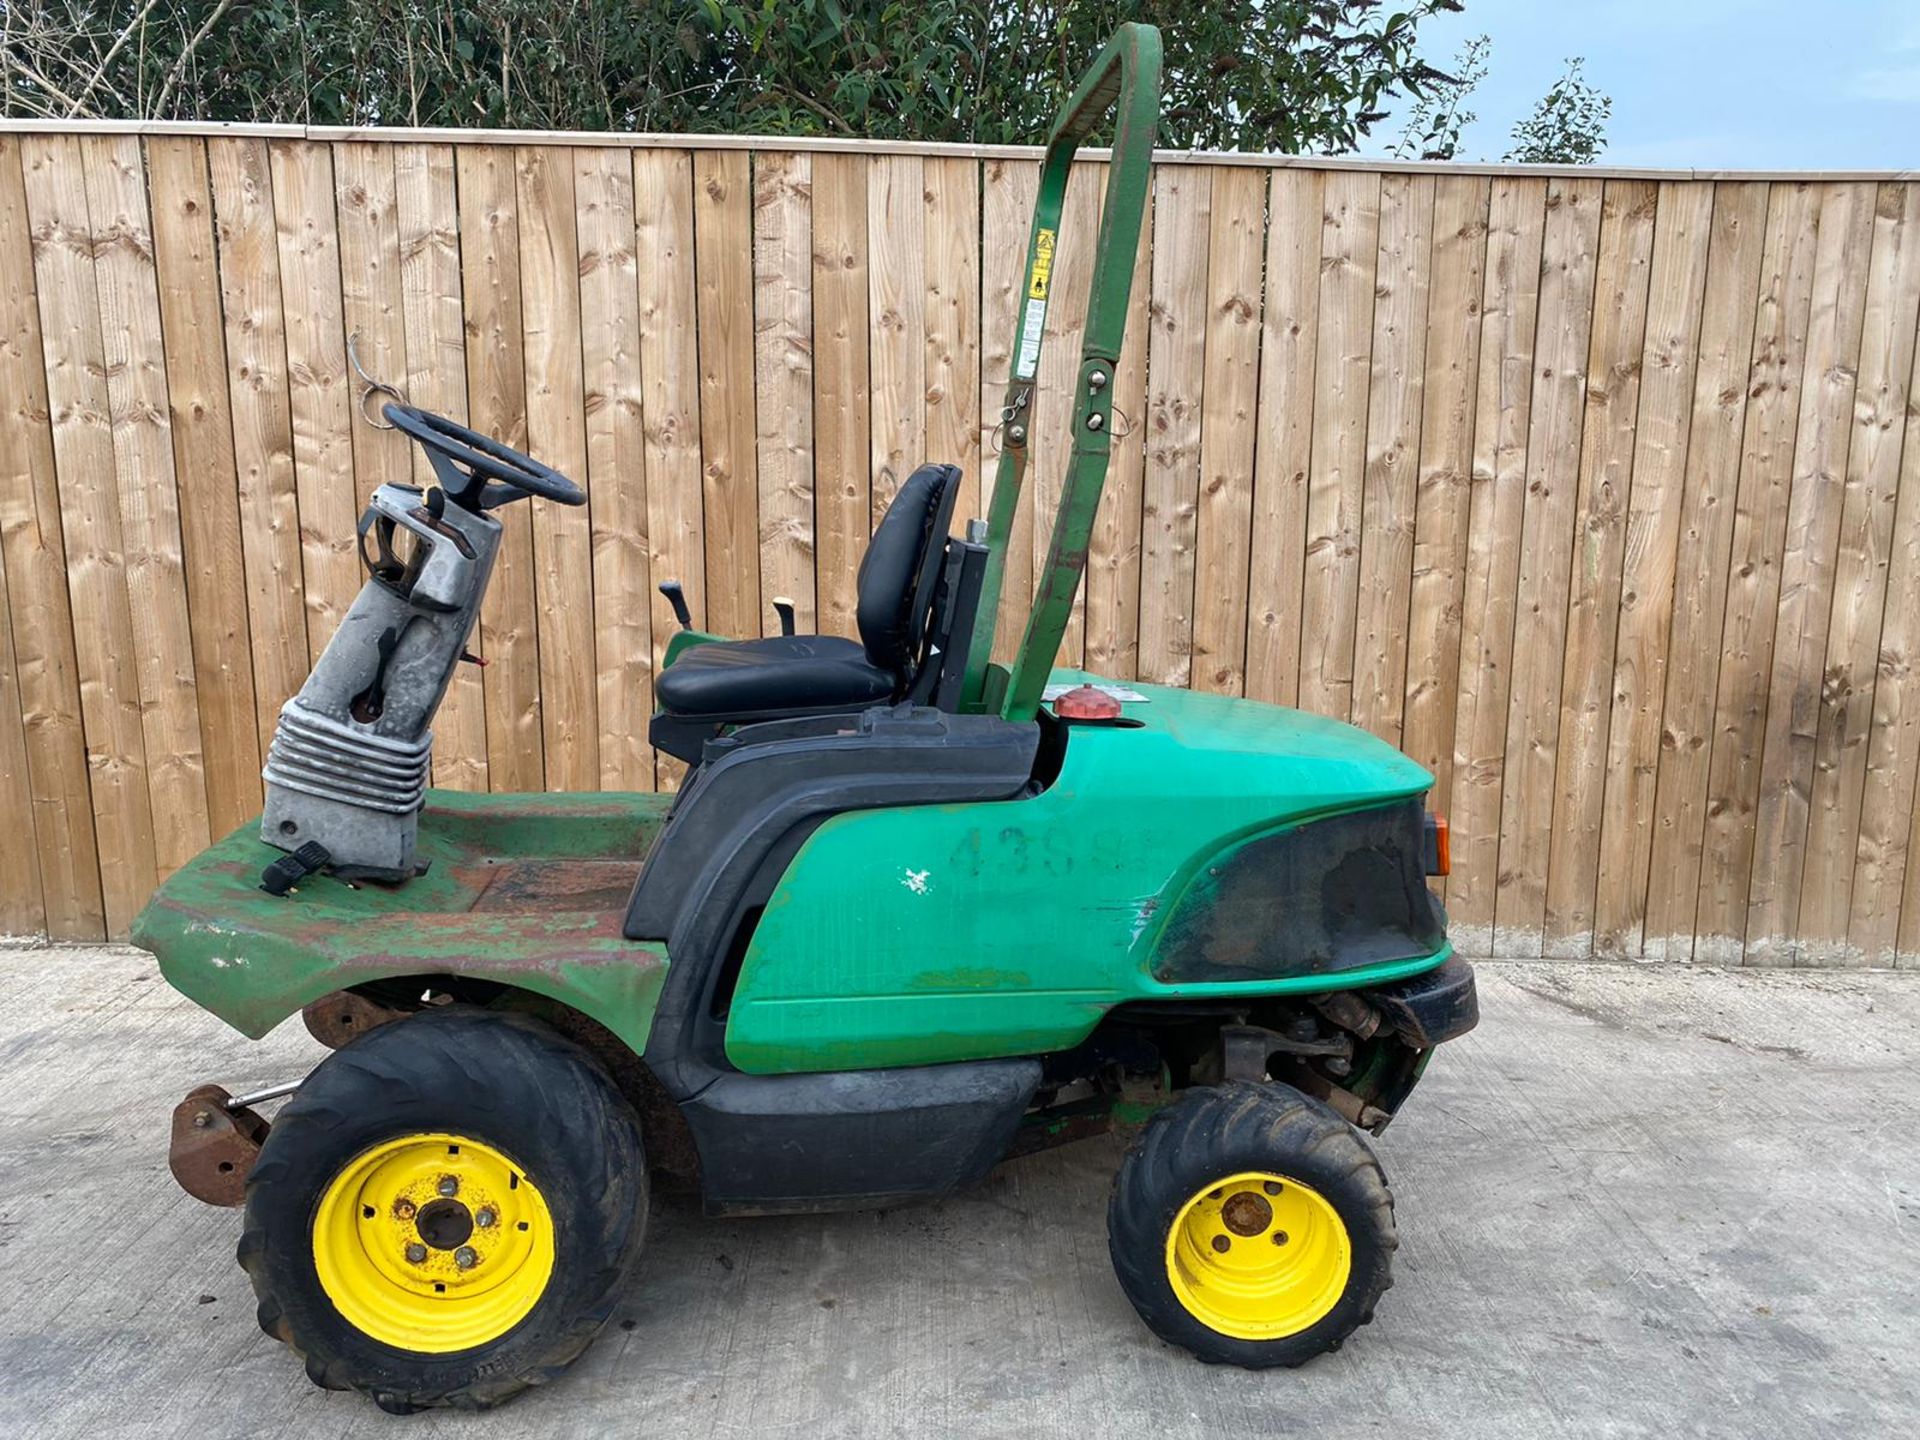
[[900, 573]]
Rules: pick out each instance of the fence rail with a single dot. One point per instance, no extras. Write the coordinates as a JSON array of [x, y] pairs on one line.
[[1590, 490]]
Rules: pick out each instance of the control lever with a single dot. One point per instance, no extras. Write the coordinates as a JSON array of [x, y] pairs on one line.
[[783, 607], [677, 598]]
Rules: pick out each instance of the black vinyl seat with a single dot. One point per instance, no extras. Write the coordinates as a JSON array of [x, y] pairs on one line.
[[732, 682]]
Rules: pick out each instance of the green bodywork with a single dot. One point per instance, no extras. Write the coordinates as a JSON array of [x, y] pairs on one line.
[[527, 890], [958, 932]]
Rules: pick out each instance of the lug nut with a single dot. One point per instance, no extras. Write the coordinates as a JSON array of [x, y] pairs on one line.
[[449, 1185], [1222, 1244], [484, 1217], [465, 1257], [403, 1209], [417, 1253]]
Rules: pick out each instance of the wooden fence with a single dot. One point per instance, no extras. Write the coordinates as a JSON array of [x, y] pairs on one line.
[[1587, 489]]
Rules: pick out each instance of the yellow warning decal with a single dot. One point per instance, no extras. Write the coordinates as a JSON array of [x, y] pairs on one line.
[[1042, 265]]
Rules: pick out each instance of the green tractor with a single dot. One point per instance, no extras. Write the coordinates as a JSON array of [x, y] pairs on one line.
[[910, 913]]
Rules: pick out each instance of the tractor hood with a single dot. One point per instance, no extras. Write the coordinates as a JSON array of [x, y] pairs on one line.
[[1278, 764]]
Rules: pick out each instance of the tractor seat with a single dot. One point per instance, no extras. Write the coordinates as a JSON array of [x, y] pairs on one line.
[[731, 682]]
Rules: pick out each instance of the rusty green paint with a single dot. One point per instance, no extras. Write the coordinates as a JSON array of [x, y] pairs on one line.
[[521, 889]]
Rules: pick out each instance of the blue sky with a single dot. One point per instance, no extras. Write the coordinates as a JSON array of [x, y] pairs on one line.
[[1721, 84]]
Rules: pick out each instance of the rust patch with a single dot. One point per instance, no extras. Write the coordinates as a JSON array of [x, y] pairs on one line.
[[532, 886], [336, 1019], [1246, 1214], [214, 1148]]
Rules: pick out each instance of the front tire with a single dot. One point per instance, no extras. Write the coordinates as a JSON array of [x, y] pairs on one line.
[[1252, 1226], [445, 1212]]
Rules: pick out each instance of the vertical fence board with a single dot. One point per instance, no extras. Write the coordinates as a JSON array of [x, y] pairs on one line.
[[670, 391], [1614, 411], [562, 534], [203, 458], [1336, 486], [1814, 508], [373, 306], [1502, 406], [427, 226], [23, 906], [1223, 524], [1176, 375], [80, 418], [1113, 557], [783, 369], [65, 873], [842, 480], [249, 252], [1568, 271], [1871, 489], [1007, 194], [1283, 454], [1445, 474], [497, 406], [952, 304], [136, 376], [616, 467], [723, 277], [1389, 490], [1710, 462], [322, 402], [896, 290]]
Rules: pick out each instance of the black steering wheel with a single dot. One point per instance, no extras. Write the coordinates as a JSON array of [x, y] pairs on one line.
[[477, 471]]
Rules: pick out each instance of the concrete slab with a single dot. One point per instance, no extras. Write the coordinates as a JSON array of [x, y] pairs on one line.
[[1637, 1202]]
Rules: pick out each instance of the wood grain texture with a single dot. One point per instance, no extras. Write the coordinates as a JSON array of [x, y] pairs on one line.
[[317, 382], [62, 879], [1724, 349], [1637, 666], [1283, 453], [1568, 272], [670, 381], [1336, 487], [842, 476], [201, 424], [723, 287], [427, 226], [562, 534], [1444, 488], [1390, 489], [783, 378], [1503, 398], [373, 306], [497, 406], [1753, 580], [1007, 192], [1176, 375], [1616, 407], [897, 352], [80, 419], [1860, 574], [616, 474], [1223, 523], [952, 324], [1822, 441], [262, 417]]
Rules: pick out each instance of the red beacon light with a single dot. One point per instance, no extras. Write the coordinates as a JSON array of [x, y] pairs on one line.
[[1086, 702]]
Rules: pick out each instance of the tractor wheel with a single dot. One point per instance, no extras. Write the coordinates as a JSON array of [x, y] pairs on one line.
[[1252, 1226], [445, 1213]]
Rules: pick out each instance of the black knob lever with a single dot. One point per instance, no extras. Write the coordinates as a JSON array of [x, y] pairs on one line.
[[677, 598], [783, 607]]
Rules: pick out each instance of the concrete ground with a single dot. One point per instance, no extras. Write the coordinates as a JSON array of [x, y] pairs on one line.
[[1637, 1201]]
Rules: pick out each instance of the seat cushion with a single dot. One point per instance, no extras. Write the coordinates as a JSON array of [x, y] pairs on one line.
[[782, 672]]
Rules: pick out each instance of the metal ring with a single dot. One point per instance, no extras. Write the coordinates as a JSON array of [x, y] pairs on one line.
[[373, 387]]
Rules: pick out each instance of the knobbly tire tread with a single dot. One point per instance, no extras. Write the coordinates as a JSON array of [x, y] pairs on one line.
[[503, 1078], [1221, 1130]]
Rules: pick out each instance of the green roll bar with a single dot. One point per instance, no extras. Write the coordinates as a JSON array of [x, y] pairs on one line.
[[1126, 78]]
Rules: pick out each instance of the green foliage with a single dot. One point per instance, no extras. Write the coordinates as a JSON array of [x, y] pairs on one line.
[[1290, 75], [1567, 127], [1439, 114]]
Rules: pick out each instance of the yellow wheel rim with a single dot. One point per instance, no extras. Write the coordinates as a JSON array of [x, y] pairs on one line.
[[433, 1243], [1258, 1256]]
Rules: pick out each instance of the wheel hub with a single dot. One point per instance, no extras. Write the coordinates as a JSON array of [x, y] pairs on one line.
[[1258, 1256]]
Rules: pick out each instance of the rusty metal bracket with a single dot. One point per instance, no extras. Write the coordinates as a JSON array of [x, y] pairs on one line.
[[335, 1019], [215, 1143]]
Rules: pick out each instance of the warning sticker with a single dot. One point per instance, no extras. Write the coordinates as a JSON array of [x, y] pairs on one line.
[[1032, 324], [1042, 265]]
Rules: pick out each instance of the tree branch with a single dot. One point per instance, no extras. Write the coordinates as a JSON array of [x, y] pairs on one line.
[[138, 22], [180, 65]]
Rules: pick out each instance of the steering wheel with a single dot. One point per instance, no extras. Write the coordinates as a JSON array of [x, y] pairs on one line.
[[477, 471]]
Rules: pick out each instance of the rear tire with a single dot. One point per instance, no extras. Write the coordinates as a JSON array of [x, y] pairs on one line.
[[1252, 1226], [445, 1213]]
